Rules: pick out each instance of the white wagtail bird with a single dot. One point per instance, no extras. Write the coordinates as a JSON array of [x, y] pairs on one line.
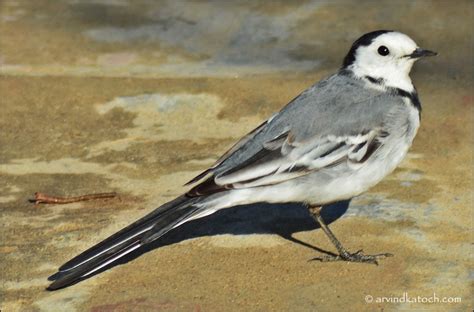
[[334, 141]]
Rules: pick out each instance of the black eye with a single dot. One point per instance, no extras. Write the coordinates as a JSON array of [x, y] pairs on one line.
[[383, 50]]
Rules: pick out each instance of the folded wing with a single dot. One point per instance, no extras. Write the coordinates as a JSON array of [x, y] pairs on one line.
[[283, 159]]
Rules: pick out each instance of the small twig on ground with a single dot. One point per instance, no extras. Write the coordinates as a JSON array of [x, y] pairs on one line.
[[41, 198]]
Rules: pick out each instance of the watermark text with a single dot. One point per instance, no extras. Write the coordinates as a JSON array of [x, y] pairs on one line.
[[406, 298]]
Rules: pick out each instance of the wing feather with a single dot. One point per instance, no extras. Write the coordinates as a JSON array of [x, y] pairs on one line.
[[229, 152], [292, 160]]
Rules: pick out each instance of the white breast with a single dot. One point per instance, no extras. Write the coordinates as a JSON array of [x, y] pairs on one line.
[[382, 163]]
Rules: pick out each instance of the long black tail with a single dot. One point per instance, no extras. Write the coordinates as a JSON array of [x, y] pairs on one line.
[[137, 234]]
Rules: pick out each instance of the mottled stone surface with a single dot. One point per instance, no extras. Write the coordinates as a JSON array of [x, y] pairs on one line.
[[138, 96]]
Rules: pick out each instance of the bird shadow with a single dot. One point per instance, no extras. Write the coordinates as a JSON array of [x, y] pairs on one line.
[[262, 218]]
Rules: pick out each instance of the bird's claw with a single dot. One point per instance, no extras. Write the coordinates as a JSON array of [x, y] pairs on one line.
[[357, 256]]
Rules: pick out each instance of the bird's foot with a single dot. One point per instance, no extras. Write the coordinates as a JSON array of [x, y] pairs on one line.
[[358, 256]]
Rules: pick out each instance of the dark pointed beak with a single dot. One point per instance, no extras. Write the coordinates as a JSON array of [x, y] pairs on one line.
[[421, 53]]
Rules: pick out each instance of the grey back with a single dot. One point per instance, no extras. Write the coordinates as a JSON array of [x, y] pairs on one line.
[[339, 106]]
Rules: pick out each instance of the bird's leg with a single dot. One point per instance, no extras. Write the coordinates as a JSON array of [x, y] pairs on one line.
[[344, 255]]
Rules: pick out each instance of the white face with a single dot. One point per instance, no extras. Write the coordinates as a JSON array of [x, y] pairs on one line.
[[387, 58]]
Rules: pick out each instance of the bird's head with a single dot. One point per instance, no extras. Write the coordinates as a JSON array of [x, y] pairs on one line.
[[386, 56]]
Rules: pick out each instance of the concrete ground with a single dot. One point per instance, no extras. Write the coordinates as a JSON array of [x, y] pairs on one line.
[[137, 97]]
